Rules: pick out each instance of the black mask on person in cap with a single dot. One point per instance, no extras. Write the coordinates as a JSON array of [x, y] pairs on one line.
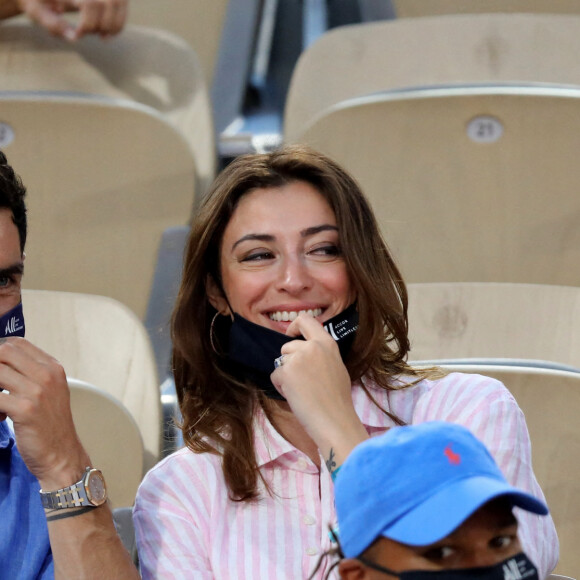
[[253, 348], [518, 567]]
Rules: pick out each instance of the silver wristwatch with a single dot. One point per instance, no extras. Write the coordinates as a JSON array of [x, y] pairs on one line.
[[90, 491]]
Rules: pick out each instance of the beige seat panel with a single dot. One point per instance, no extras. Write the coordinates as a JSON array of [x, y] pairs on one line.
[[455, 209], [494, 48], [550, 401], [414, 8], [104, 180], [100, 341], [199, 22], [494, 320], [146, 66], [112, 439]]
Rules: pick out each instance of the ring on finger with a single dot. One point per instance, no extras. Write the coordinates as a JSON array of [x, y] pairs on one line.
[[278, 362]]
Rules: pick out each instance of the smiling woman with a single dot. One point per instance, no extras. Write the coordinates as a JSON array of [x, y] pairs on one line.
[[285, 263]]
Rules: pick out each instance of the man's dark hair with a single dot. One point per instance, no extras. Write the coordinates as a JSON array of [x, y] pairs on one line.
[[12, 193]]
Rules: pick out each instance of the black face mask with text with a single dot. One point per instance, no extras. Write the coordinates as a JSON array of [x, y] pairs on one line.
[[518, 567], [12, 322], [253, 348]]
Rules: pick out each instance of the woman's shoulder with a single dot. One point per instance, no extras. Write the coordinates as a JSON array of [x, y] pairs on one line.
[[183, 465], [439, 380], [469, 383], [460, 395], [439, 393]]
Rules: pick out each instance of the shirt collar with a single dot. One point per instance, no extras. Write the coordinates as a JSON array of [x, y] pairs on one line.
[[6, 437], [270, 445]]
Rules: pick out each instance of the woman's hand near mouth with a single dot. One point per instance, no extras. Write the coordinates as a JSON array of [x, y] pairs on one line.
[[317, 386]]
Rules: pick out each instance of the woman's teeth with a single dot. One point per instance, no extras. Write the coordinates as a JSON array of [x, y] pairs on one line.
[[292, 315]]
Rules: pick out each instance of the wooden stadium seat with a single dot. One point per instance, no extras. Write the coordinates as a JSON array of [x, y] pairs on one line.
[[523, 322], [105, 178], [414, 8], [550, 400], [468, 183], [100, 341], [111, 437], [145, 66], [456, 50]]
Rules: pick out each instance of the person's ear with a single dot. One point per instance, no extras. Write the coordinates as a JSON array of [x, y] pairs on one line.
[[351, 569], [216, 297]]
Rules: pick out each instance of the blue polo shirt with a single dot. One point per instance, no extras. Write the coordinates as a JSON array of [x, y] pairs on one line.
[[24, 546]]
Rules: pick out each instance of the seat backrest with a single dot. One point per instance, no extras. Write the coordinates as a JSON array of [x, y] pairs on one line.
[[100, 341], [458, 320], [111, 437], [447, 50], [147, 66], [413, 8], [550, 401], [105, 178], [468, 184], [199, 22]]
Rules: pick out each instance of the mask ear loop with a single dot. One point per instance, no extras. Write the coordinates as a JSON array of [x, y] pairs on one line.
[[335, 551], [334, 538]]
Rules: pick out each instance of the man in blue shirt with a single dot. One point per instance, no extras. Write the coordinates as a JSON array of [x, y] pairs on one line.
[[25, 547], [54, 520]]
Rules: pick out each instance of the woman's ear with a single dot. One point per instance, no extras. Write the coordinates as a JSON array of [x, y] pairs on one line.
[[351, 569], [216, 297]]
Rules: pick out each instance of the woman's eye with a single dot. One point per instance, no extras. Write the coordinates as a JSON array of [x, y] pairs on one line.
[[326, 250], [257, 256]]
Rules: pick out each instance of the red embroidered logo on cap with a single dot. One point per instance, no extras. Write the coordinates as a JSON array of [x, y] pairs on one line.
[[454, 458]]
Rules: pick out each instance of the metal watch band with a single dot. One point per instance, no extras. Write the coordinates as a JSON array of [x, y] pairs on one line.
[[68, 497]]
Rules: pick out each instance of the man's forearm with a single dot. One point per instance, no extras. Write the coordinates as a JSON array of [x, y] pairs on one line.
[[86, 546]]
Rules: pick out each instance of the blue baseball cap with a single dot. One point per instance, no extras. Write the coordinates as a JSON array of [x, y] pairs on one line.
[[417, 484]]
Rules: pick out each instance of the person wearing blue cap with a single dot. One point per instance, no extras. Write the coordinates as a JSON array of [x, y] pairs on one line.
[[426, 502]]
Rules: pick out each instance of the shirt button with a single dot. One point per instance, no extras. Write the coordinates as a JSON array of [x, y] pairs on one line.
[[302, 463], [308, 520], [311, 551]]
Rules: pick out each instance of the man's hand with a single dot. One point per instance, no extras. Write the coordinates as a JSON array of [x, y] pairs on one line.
[[103, 17], [37, 399]]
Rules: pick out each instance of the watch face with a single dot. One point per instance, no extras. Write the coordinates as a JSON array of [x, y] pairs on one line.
[[96, 488]]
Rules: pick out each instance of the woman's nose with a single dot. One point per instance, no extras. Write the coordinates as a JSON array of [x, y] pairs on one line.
[[294, 276]]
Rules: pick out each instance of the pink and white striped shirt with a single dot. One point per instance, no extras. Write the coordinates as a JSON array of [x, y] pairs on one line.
[[187, 527]]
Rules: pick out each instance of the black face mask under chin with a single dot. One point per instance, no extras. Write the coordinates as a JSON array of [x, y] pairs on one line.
[[518, 567], [253, 348]]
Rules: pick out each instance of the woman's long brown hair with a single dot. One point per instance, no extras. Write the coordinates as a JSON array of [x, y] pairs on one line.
[[217, 408]]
